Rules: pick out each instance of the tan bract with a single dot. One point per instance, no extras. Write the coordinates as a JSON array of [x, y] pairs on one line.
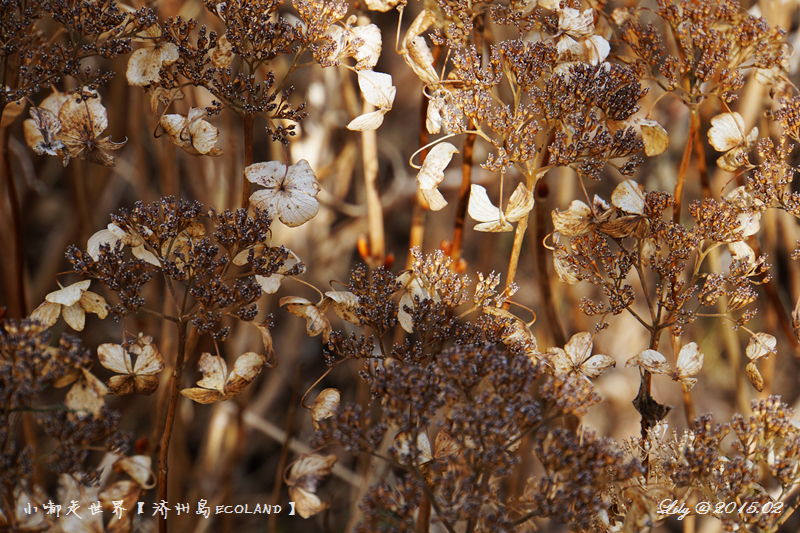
[[222, 56], [86, 395], [141, 378], [378, 90], [629, 196], [415, 50], [576, 220], [43, 128], [192, 132], [492, 219], [727, 134], [431, 174], [412, 288], [114, 235], [325, 406], [577, 358], [214, 387], [655, 137], [362, 43], [73, 302], [690, 362], [139, 468], [290, 194], [411, 450], [345, 305], [144, 66]]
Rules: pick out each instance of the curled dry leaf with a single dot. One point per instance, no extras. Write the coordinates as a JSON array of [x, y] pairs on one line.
[[82, 122], [576, 220], [73, 302], [290, 194], [655, 137], [566, 270], [325, 406], [128, 493], [411, 449], [382, 5], [222, 55], [577, 358], [192, 132], [145, 64], [754, 376], [138, 378], [431, 174], [518, 332], [163, 96], [491, 218], [304, 478], [214, 387], [760, 345], [316, 321], [378, 90]]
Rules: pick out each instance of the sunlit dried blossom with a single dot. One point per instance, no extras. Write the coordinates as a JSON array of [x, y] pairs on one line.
[[290, 193], [217, 385], [492, 218], [141, 378], [145, 64], [72, 302], [576, 357], [727, 134], [192, 132], [378, 90], [82, 122]]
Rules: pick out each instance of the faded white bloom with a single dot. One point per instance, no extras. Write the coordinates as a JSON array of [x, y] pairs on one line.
[[629, 197], [145, 64], [192, 131], [727, 134], [492, 219], [576, 358], [378, 90], [290, 194]]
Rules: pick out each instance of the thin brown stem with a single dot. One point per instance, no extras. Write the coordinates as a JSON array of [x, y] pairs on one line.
[[163, 457], [377, 241], [21, 309], [542, 276], [702, 167], [247, 129], [463, 196], [694, 125], [284, 458]]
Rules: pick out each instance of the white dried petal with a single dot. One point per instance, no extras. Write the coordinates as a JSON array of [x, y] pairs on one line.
[[482, 209], [289, 194], [431, 174], [655, 137], [69, 295], [754, 376], [520, 203], [565, 270], [690, 361], [741, 251], [574, 23], [629, 197], [727, 131]]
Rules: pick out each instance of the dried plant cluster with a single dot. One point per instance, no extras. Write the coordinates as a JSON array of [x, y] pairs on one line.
[[641, 155]]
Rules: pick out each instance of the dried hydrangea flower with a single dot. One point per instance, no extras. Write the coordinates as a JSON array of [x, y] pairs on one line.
[[192, 131], [378, 90], [690, 362], [576, 220], [655, 137], [290, 194], [214, 387], [82, 122], [114, 235], [362, 43], [43, 128], [727, 135], [415, 50], [492, 219], [304, 477], [316, 321], [73, 302], [141, 378], [145, 64], [576, 358]]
